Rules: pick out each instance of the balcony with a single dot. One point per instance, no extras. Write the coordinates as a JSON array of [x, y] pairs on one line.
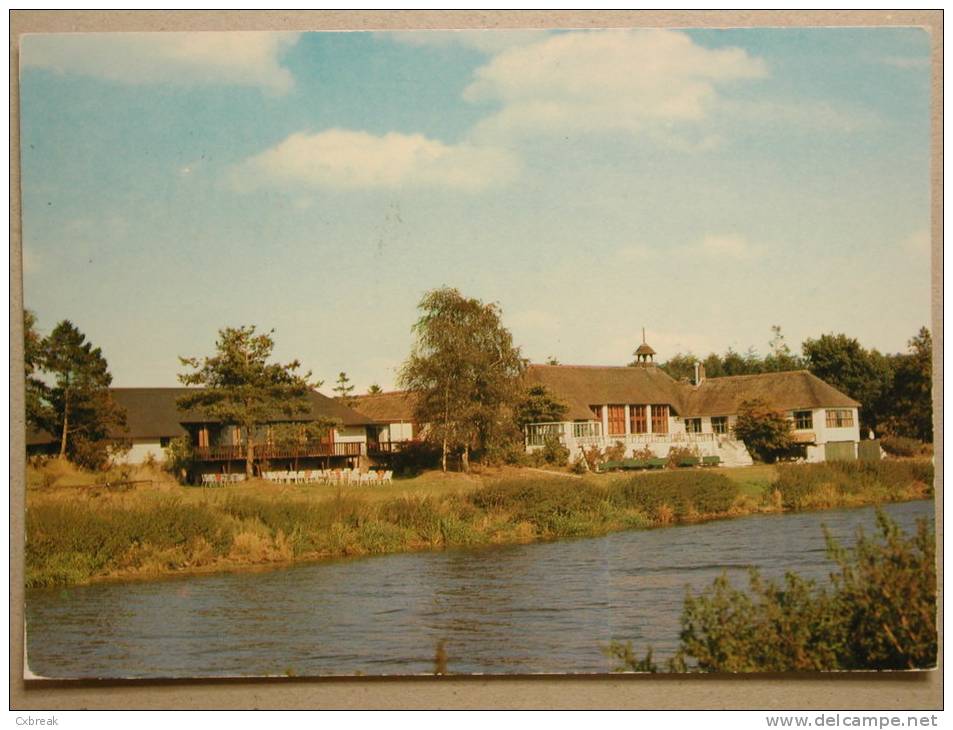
[[266, 451], [588, 434]]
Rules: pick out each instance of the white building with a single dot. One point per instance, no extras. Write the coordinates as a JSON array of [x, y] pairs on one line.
[[641, 406]]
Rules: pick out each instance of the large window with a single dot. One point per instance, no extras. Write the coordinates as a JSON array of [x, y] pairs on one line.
[[840, 417], [803, 420], [659, 419], [719, 424], [616, 420], [638, 423], [693, 425]]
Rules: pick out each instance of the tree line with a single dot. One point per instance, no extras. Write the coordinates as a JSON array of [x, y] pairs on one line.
[[895, 390], [466, 373]]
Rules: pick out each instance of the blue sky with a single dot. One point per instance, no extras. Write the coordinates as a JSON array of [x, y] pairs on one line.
[[705, 184]]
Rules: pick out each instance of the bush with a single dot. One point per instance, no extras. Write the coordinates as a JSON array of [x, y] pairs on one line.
[[766, 433], [676, 454], [554, 452], [675, 494], [414, 457], [880, 613], [803, 486], [179, 456], [902, 446], [544, 503]]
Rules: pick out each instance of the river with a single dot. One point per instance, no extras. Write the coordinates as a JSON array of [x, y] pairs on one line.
[[539, 608]]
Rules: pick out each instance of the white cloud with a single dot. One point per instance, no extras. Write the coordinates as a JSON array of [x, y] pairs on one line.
[[485, 40], [341, 158], [236, 57], [726, 245], [605, 81], [804, 114]]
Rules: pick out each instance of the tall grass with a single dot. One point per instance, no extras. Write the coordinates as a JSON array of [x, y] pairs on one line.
[[72, 538], [847, 483]]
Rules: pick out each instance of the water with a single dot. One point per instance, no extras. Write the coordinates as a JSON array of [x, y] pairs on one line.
[[541, 608]]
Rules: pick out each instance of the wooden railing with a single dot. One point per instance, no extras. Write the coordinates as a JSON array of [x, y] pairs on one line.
[[264, 451], [384, 447]]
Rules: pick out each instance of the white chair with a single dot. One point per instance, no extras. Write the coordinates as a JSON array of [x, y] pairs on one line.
[[387, 478], [369, 478], [207, 479]]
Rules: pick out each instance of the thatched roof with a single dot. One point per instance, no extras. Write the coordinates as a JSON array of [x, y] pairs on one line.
[[153, 413], [393, 407], [784, 391], [581, 386]]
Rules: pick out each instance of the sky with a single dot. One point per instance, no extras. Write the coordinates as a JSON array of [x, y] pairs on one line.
[[704, 184]]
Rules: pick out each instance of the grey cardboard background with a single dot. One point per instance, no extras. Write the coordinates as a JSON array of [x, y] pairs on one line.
[[886, 691]]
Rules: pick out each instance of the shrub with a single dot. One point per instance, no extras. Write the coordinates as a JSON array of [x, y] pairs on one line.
[[765, 432], [580, 465], [554, 452], [543, 503], [414, 457], [644, 453], [676, 454], [675, 494], [902, 446], [803, 486], [179, 456], [879, 614], [616, 452]]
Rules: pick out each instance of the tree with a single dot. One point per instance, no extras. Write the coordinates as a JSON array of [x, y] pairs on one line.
[[538, 405], [344, 389], [781, 357], [295, 437], [908, 409], [241, 388], [551, 360], [81, 411], [38, 414], [679, 366], [841, 361], [464, 370], [765, 432], [375, 389]]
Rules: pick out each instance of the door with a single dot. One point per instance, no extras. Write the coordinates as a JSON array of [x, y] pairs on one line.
[[840, 451]]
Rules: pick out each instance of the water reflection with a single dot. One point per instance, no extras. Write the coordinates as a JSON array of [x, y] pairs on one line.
[[546, 607]]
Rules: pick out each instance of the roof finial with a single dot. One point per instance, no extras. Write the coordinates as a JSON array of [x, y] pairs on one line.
[[643, 335]]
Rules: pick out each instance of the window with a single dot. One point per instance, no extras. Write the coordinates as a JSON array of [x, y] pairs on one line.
[[840, 417], [164, 441], [804, 420], [719, 424], [203, 437], [637, 420], [693, 425], [660, 419], [616, 420], [596, 412]]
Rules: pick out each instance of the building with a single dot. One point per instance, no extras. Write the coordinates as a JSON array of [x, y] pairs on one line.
[[153, 419], [641, 406], [392, 421]]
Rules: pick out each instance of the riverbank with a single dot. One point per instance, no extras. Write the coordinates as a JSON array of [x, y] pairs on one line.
[[82, 533]]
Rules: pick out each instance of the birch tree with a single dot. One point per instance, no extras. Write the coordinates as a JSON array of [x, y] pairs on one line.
[[465, 371]]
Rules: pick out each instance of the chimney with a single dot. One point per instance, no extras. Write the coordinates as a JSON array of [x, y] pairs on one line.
[[699, 373]]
